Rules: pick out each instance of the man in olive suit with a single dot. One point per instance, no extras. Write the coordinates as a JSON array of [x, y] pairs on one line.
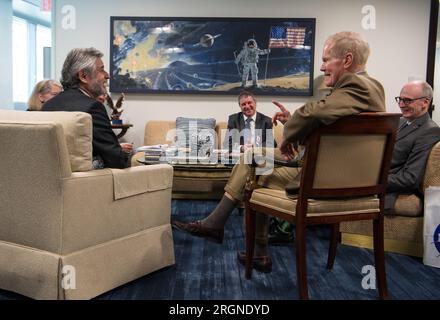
[[344, 59], [416, 136]]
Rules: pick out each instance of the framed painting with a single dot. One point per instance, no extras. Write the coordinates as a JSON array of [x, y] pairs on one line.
[[268, 56]]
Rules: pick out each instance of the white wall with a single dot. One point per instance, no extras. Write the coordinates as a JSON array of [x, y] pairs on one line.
[[398, 45], [6, 54]]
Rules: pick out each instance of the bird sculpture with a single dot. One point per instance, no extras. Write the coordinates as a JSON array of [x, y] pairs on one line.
[[116, 107]]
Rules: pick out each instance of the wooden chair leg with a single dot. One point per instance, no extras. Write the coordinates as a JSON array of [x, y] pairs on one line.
[[301, 264], [250, 240], [334, 238], [379, 256]]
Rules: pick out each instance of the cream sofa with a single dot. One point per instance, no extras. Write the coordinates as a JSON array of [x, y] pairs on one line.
[[69, 232], [403, 229], [202, 183]]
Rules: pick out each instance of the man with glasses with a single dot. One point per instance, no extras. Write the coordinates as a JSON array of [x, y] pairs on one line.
[[416, 136]]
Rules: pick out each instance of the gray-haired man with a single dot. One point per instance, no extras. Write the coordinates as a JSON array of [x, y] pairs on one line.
[[84, 79]]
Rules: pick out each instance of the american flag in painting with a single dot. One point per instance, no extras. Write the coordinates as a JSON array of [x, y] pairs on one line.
[[286, 37]]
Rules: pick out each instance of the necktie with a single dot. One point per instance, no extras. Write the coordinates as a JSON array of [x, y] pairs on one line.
[[247, 131]]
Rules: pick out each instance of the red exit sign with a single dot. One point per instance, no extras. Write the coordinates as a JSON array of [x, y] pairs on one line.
[[45, 5]]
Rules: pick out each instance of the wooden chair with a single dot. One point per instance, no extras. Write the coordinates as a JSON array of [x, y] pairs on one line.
[[344, 178]]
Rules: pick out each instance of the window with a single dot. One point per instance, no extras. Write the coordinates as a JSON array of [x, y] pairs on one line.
[[30, 40], [43, 40], [20, 65]]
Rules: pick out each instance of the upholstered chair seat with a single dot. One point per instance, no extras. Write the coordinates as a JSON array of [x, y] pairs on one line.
[[278, 200]]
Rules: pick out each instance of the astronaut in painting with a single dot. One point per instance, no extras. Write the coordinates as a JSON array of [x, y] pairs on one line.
[[248, 57]]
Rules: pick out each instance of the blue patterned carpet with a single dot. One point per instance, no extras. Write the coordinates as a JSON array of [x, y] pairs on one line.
[[208, 271]]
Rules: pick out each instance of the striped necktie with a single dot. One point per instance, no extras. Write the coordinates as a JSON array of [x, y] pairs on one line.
[[247, 131]]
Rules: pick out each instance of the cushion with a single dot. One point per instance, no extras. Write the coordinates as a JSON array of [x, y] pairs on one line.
[[395, 227], [407, 205], [77, 127], [196, 134], [277, 200]]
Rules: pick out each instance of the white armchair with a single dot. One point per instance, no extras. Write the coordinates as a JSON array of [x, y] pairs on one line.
[[69, 232]]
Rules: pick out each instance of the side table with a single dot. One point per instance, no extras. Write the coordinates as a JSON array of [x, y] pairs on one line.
[[123, 127]]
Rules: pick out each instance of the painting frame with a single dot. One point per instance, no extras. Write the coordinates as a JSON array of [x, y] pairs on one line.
[[212, 55]]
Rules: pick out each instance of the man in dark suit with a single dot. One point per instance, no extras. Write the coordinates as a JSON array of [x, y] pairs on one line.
[[250, 125], [84, 79], [344, 59], [416, 136]]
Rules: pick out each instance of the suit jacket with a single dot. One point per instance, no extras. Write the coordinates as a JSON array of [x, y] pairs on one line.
[[262, 123], [105, 142], [411, 151], [353, 93]]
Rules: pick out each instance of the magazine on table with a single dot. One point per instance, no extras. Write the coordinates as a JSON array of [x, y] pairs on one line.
[[156, 147]]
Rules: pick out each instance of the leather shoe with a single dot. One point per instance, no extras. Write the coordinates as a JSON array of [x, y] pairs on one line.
[[261, 263], [196, 229]]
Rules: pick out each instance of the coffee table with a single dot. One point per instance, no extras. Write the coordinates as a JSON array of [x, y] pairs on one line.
[[199, 180]]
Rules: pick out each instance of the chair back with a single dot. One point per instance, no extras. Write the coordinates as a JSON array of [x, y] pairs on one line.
[[350, 157], [76, 127], [33, 166], [160, 132], [221, 129]]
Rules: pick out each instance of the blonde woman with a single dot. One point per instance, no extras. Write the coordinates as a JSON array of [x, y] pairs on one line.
[[43, 91]]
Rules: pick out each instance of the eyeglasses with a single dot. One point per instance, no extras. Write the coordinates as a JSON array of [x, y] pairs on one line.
[[407, 101]]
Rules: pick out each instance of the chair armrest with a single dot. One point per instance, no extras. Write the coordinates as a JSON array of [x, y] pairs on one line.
[[135, 157], [91, 214], [131, 181], [136, 180]]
